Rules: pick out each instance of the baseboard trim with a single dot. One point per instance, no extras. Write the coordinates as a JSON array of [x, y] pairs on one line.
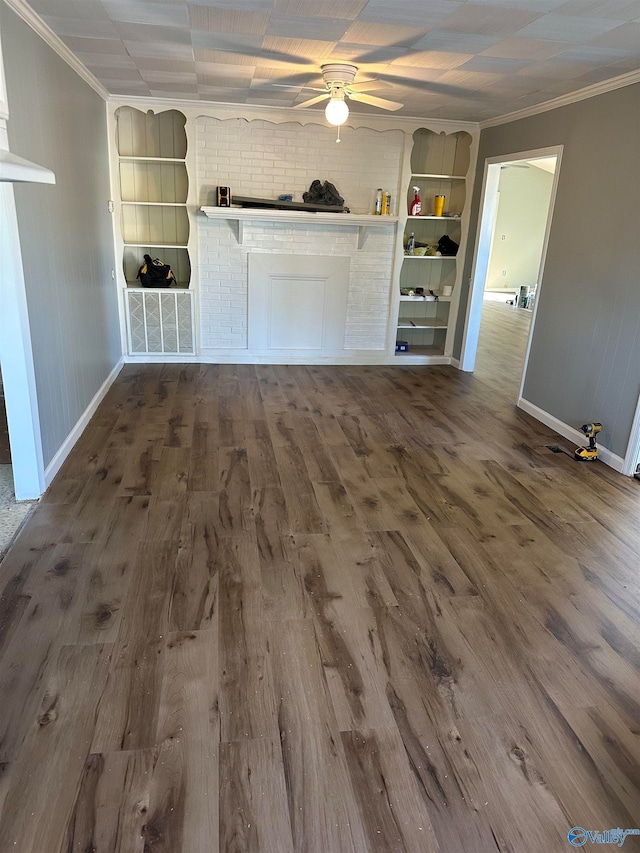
[[455, 362], [243, 356], [570, 433], [149, 358], [56, 463]]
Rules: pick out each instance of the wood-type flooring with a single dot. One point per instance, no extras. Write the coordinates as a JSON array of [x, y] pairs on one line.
[[322, 609]]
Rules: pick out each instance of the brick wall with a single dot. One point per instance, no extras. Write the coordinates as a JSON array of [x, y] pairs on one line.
[[263, 159]]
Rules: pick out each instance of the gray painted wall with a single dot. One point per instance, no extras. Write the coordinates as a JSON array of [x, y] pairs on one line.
[[66, 238], [585, 354]]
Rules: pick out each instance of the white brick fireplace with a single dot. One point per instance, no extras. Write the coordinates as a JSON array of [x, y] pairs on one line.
[[263, 159]]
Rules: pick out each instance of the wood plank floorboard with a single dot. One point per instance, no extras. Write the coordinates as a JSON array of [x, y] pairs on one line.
[[323, 609]]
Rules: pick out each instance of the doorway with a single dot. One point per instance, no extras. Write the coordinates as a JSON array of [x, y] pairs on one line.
[[509, 256]]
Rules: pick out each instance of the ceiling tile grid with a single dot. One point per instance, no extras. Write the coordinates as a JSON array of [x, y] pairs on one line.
[[459, 59]]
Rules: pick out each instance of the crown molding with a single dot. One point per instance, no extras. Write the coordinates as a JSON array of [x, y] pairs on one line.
[[565, 100], [32, 19], [250, 112]]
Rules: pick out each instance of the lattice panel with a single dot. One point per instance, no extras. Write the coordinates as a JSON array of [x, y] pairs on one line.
[[170, 322], [137, 337], [160, 323], [185, 323]]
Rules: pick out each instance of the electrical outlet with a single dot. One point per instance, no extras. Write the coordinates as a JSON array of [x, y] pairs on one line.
[[504, 272], [504, 237], [110, 206], [113, 274]]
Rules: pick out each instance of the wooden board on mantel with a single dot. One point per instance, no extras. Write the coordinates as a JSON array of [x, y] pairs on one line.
[[275, 204]]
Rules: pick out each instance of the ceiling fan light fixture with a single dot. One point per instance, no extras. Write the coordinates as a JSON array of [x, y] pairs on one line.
[[336, 111]]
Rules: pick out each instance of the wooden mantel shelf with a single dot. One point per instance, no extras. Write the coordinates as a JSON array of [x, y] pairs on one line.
[[240, 215]]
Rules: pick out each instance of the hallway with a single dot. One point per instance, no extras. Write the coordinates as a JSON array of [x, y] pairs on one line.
[[321, 609]]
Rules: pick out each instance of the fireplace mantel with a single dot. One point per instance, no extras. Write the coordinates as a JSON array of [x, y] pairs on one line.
[[240, 215]]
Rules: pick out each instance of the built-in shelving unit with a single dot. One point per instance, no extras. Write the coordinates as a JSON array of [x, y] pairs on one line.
[[439, 166], [153, 184]]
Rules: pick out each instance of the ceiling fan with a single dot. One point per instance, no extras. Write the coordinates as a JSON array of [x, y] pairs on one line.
[[339, 80]]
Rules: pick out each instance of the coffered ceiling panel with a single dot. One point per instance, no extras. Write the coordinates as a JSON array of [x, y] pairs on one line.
[[220, 20], [321, 29], [92, 9], [571, 29], [459, 59], [622, 10], [409, 13], [348, 9], [83, 27], [525, 48], [488, 20], [158, 14], [367, 32], [448, 40]]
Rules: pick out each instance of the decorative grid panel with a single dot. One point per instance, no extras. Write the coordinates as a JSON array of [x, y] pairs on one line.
[[135, 311], [153, 322], [169, 322], [185, 323], [160, 322]]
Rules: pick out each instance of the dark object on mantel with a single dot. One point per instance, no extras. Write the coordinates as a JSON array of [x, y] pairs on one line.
[[319, 193], [274, 204]]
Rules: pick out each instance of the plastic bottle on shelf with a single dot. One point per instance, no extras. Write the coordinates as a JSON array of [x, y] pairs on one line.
[[378, 208], [411, 244], [416, 205], [386, 204]]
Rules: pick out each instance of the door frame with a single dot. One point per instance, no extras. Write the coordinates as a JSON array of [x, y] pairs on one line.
[[484, 236]]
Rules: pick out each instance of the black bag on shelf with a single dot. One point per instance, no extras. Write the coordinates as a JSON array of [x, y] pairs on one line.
[[153, 273], [447, 247], [323, 193]]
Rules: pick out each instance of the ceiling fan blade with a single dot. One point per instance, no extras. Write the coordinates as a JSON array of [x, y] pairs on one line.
[[293, 86], [312, 101], [367, 85], [280, 56], [432, 86], [383, 103]]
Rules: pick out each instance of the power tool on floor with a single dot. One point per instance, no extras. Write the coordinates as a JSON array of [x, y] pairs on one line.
[[590, 453]]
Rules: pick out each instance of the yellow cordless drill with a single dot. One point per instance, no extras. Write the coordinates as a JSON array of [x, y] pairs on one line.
[[589, 454]]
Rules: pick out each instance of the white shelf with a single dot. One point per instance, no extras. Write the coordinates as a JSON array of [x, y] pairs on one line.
[[153, 203], [425, 298], [139, 289], [439, 177], [153, 159], [422, 351], [421, 323], [148, 245], [299, 217], [430, 257], [431, 216]]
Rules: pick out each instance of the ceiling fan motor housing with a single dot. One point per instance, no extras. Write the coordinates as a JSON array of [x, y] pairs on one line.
[[338, 75]]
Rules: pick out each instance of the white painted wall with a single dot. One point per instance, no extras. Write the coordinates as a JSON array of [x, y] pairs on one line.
[[521, 220]]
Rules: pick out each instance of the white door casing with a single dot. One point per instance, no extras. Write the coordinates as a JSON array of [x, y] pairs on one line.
[[484, 235]]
